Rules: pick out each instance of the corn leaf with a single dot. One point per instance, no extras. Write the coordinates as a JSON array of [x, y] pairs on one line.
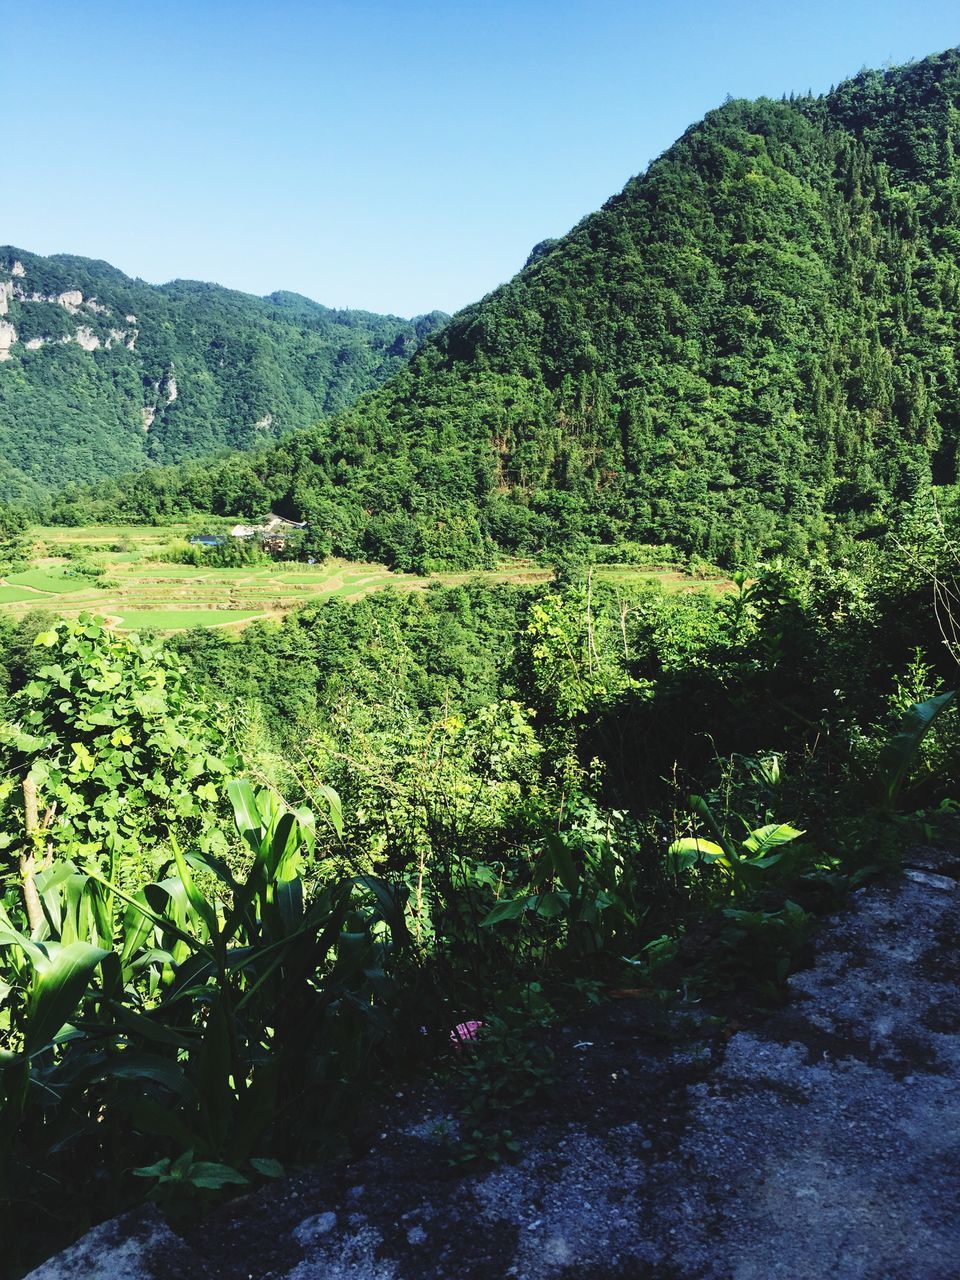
[[58, 986]]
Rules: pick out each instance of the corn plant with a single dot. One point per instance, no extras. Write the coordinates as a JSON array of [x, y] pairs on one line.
[[203, 1013], [898, 755]]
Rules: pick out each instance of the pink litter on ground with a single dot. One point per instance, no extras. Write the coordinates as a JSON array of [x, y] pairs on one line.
[[463, 1033]]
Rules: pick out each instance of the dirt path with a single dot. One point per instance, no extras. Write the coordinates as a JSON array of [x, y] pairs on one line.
[[823, 1141]]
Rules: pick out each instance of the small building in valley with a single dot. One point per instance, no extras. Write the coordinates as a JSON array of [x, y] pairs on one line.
[[273, 531], [271, 525]]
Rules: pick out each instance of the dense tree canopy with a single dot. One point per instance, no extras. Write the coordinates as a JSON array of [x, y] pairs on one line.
[[752, 346]]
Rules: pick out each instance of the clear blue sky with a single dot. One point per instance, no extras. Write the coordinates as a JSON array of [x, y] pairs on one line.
[[397, 155]]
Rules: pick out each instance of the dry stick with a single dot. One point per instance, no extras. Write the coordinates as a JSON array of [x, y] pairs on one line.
[[28, 858], [946, 600], [591, 646]]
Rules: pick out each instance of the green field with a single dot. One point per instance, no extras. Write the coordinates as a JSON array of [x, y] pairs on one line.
[[139, 592]]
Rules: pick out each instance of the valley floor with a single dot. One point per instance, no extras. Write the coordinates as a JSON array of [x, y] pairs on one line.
[[137, 591]]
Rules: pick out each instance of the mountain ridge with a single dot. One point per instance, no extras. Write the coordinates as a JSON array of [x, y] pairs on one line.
[[102, 373]]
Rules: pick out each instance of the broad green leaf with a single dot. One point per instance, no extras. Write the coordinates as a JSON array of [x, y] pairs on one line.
[[284, 845], [899, 753], [163, 921], [763, 839], [149, 1028], [697, 846], [290, 903], [391, 901], [552, 904], [148, 1067], [57, 988], [560, 860], [198, 902], [761, 863], [245, 811], [214, 1176], [334, 806], [509, 910], [136, 928]]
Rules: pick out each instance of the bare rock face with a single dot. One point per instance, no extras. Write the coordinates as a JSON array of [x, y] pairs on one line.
[[86, 338], [6, 293], [822, 1147], [71, 300], [135, 1246], [823, 1141], [8, 336]]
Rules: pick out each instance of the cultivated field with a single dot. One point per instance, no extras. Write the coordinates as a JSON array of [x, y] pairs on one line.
[[138, 591]]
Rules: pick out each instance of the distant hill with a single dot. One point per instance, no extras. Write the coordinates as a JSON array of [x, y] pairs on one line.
[[101, 374], [754, 346]]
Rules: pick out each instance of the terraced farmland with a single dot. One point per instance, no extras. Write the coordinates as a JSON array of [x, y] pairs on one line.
[[137, 591]]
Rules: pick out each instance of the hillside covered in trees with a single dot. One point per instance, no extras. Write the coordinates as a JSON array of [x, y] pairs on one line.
[[101, 374], [751, 347]]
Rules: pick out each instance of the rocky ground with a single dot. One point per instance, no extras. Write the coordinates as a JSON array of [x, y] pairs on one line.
[[823, 1141]]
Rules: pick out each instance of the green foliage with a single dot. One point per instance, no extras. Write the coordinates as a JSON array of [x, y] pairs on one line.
[[442, 647], [740, 859], [575, 655], [231, 553], [500, 778], [758, 950], [120, 752], [502, 1073], [14, 542], [900, 752], [185, 1171], [587, 879]]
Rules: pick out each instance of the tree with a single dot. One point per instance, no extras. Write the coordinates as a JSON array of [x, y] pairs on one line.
[[14, 544], [110, 746]]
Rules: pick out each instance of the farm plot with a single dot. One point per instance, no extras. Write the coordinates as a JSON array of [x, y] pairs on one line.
[[138, 590], [135, 591]]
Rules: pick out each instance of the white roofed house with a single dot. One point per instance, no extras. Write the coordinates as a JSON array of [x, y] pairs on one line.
[[272, 531], [270, 525]]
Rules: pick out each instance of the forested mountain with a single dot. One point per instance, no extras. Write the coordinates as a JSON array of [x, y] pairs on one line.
[[101, 374], [753, 345]]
